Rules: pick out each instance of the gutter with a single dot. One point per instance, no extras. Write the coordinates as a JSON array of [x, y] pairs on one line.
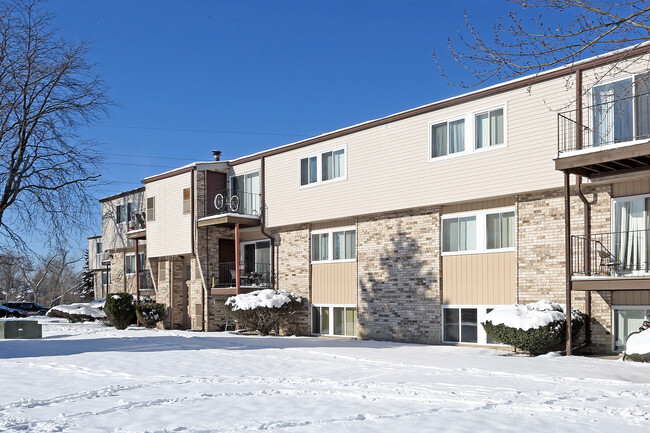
[[263, 218]]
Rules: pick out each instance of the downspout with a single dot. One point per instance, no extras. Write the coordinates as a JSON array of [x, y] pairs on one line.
[[263, 218], [587, 258], [170, 274], [586, 205], [137, 276], [567, 258]]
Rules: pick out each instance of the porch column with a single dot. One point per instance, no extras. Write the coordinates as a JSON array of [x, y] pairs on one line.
[[237, 271], [567, 248]]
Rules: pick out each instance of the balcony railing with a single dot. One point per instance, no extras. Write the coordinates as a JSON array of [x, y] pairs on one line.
[[616, 254], [253, 275], [619, 120], [137, 221], [221, 202]]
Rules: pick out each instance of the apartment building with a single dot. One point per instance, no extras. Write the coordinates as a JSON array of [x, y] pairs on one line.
[[118, 256], [414, 226]]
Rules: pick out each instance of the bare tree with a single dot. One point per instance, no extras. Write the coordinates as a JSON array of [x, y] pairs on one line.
[[541, 34], [51, 278], [47, 90]]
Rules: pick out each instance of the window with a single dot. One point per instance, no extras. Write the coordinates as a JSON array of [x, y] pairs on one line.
[[187, 201], [334, 320], [459, 234], [462, 324], [319, 247], [106, 278], [333, 245], [151, 208], [631, 237], [480, 232], [500, 230], [324, 167], [120, 213], [626, 321], [447, 138], [256, 258], [247, 188], [142, 262], [99, 248], [129, 264], [489, 128]]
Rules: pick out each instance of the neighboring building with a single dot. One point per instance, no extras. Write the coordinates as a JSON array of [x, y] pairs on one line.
[[414, 226], [99, 265], [123, 246]]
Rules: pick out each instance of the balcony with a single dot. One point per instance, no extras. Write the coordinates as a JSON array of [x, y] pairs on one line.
[[606, 139], [611, 261], [137, 226], [255, 276], [223, 208]]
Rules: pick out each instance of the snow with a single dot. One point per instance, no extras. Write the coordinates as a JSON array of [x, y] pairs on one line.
[[638, 343], [261, 298], [529, 316], [91, 378], [81, 308]]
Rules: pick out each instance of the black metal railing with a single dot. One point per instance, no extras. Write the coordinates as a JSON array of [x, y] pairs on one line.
[[620, 120], [612, 254], [222, 202], [251, 275]]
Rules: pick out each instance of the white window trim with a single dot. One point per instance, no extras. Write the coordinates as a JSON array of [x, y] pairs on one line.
[[246, 173], [331, 319], [135, 264], [319, 167], [481, 233], [613, 322], [481, 335], [613, 202], [468, 144], [330, 245], [470, 133]]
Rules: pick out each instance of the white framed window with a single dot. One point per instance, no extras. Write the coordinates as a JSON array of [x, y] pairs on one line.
[[99, 247], [483, 231], [124, 212], [246, 187], [462, 324], [489, 128], [335, 320], [620, 110], [626, 320], [323, 167], [129, 264], [106, 278], [336, 245], [447, 138], [255, 257], [630, 241]]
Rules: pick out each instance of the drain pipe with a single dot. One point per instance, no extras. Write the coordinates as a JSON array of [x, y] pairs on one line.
[[587, 258], [263, 219]]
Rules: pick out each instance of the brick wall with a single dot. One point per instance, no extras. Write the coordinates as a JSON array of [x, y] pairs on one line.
[[399, 266]]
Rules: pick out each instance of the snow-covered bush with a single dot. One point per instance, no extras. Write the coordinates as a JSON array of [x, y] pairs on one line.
[[79, 312], [119, 309], [264, 310], [637, 347], [535, 328], [150, 313]]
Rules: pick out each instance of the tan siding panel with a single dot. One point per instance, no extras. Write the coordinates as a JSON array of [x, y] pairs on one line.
[[632, 187], [631, 298], [483, 279], [251, 235], [334, 283]]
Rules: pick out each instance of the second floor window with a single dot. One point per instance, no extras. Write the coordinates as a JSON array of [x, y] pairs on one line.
[[124, 213], [325, 167], [489, 128], [151, 208], [447, 138]]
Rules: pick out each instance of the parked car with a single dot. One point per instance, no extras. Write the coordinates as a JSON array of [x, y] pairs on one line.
[[11, 312], [32, 308]]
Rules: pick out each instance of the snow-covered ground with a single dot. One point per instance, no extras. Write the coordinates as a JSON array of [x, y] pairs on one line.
[[90, 378]]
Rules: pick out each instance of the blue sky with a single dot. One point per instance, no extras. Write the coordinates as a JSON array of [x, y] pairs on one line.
[[242, 76]]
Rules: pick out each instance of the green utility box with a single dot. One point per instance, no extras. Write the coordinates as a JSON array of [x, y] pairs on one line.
[[20, 329]]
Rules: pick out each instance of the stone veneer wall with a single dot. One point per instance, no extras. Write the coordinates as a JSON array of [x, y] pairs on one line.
[[399, 276], [171, 274], [293, 262], [541, 252]]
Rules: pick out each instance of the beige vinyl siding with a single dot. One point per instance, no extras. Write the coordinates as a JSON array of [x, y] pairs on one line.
[[633, 187], [251, 235], [247, 167], [334, 283], [479, 279], [114, 234], [333, 224], [631, 298], [171, 232], [479, 205], [388, 167]]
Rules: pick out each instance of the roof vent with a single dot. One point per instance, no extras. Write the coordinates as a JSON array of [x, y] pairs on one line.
[[217, 155]]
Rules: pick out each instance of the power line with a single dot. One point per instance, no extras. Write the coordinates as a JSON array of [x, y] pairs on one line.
[[140, 165], [214, 131], [150, 157]]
